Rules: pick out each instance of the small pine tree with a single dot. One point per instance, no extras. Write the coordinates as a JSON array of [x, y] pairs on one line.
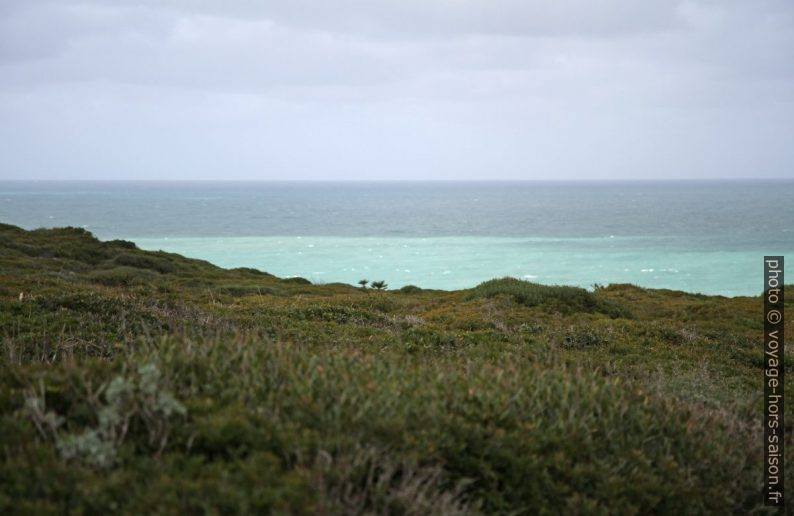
[[363, 283]]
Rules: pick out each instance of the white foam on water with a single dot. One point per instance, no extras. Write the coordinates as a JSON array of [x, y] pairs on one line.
[[578, 262]]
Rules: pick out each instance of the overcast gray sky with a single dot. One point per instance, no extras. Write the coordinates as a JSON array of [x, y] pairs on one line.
[[402, 89]]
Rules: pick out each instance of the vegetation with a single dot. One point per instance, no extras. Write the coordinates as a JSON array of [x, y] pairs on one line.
[[556, 298], [137, 382]]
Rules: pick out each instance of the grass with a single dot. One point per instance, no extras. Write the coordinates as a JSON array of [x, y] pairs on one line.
[[133, 381]]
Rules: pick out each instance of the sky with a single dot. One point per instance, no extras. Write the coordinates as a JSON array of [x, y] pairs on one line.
[[396, 90]]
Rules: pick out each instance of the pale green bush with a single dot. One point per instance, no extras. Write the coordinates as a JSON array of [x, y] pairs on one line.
[[120, 402]]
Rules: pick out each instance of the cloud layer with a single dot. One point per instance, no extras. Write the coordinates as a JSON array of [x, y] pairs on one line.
[[447, 89]]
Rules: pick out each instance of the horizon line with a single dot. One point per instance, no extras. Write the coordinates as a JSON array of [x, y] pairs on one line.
[[600, 180]]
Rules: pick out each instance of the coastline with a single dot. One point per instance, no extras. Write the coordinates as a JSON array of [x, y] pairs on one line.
[[187, 384]]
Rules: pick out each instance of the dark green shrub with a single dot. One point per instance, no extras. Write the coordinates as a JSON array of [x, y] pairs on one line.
[[297, 280], [248, 290], [251, 271], [562, 299], [124, 244], [72, 244], [141, 261], [418, 338], [122, 276], [580, 337], [410, 289], [338, 314], [669, 334]]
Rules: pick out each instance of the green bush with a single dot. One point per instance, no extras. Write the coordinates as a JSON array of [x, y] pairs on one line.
[[580, 337], [252, 272], [122, 276], [72, 244], [123, 403], [124, 244], [338, 314], [297, 280], [562, 299], [416, 338], [248, 290], [140, 261]]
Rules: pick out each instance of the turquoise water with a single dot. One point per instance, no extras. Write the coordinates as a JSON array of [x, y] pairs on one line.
[[459, 262], [705, 237]]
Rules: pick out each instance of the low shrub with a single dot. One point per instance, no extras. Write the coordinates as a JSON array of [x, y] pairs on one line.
[[124, 244], [248, 290], [416, 338], [122, 276], [118, 406], [561, 299], [297, 280], [337, 314], [581, 337], [140, 261], [252, 272], [72, 244]]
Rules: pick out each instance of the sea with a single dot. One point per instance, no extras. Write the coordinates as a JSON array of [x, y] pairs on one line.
[[696, 236]]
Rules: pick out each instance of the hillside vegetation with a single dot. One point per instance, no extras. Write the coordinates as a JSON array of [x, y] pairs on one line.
[[137, 382]]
